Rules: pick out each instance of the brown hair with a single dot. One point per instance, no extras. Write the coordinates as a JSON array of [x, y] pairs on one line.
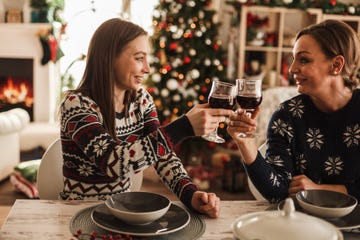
[[338, 38], [98, 80]]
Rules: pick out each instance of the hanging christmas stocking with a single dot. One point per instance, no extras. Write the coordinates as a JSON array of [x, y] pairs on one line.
[[46, 51]]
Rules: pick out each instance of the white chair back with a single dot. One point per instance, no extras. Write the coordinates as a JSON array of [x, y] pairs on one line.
[[50, 177], [50, 181], [253, 189]]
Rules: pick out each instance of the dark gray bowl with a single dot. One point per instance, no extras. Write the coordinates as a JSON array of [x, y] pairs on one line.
[[327, 204], [138, 207]]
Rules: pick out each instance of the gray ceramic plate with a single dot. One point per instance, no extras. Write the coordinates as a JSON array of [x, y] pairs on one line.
[[175, 219]]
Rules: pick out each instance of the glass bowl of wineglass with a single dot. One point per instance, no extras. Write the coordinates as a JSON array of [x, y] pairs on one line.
[[222, 95], [249, 97]]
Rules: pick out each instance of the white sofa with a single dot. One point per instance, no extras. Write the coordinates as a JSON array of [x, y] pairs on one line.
[[11, 123], [39, 134]]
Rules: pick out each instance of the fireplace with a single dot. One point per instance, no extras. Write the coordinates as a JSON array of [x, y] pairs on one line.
[[16, 84], [24, 81]]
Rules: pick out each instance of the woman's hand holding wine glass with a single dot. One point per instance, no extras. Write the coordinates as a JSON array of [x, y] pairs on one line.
[[249, 97]]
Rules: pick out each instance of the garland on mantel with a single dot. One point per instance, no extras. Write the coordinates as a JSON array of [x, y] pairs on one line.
[[328, 7]]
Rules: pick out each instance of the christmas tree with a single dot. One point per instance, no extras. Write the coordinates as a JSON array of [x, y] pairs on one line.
[[187, 56]]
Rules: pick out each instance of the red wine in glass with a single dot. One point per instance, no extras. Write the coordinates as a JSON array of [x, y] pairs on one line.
[[248, 102], [221, 101]]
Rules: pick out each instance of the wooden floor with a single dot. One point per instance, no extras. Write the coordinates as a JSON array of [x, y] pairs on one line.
[[8, 195]]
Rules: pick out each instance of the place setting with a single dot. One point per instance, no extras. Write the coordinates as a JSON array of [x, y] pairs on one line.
[[138, 215]]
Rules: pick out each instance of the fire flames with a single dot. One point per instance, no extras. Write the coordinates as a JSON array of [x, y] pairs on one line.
[[16, 93]]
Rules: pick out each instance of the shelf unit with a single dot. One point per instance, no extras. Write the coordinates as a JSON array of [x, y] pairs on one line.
[[283, 23], [353, 21]]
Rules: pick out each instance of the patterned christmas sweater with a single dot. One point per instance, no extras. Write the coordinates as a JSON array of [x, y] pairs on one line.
[[303, 140], [96, 166]]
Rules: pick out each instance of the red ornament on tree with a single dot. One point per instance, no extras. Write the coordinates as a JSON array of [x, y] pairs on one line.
[[187, 60], [216, 47], [167, 67], [173, 46], [163, 25], [332, 3]]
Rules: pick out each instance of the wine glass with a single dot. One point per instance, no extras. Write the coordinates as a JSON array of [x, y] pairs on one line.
[[222, 95], [249, 96]]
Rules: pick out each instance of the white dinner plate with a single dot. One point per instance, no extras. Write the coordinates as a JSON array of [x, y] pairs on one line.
[[347, 222], [175, 219]]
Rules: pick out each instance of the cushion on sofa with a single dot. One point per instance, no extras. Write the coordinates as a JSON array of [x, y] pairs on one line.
[[13, 120]]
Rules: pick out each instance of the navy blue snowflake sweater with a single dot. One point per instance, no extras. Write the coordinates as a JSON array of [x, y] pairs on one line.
[[96, 165], [303, 140]]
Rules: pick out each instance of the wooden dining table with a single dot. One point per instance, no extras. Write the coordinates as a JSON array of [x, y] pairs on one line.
[[50, 219]]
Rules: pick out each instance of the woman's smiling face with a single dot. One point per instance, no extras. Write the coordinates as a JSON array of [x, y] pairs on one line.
[[132, 64], [311, 68]]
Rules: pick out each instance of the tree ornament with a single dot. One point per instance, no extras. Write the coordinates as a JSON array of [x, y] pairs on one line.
[[192, 52], [195, 74], [186, 60], [191, 3], [173, 28], [156, 77], [180, 49], [166, 112], [216, 62], [173, 46], [351, 9], [332, 3], [201, 14], [216, 47], [204, 89], [172, 84], [207, 62], [176, 98], [164, 92], [198, 33], [158, 103]]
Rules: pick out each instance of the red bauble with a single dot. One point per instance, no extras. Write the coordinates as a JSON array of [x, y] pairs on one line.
[[187, 60], [150, 90], [167, 67], [173, 46], [163, 25], [332, 3]]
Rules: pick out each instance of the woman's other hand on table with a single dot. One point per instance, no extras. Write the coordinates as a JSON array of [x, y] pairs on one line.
[[206, 203]]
